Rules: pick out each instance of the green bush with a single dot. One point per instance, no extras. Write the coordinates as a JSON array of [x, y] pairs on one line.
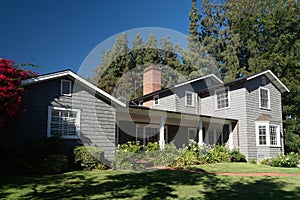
[[125, 160], [167, 156], [88, 157], [289, 160], [53, 164], [218, 154], [134, 147], [236, 156], [252, 161], [152, 147], [187, 158]]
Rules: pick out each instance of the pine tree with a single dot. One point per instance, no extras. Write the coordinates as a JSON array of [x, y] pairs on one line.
[[152, 52]]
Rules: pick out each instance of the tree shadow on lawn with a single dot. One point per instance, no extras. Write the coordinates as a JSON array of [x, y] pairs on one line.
[[158, 184]]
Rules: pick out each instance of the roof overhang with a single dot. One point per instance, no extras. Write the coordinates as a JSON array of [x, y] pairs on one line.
[[273, 78], [80, 80]]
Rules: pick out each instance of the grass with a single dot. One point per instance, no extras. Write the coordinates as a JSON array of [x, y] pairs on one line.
[[243, 168], [156, 184]]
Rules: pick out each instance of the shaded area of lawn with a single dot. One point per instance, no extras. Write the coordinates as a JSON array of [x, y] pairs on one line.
[[158, 184]]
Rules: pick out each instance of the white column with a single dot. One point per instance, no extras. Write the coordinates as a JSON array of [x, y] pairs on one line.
[[162, 133], [200, 133]]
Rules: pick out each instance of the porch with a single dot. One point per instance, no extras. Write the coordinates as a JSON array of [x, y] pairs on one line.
[[146, 125]]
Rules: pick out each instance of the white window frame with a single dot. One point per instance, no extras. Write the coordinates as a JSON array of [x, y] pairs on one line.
[[193, 98], [70, 87], [189, 134], [154, 97], [269, 98], [216, 98], [268, 136], [77, 122]]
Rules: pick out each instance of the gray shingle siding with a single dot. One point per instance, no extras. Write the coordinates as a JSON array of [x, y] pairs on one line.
[[253, 112], [97, 121]]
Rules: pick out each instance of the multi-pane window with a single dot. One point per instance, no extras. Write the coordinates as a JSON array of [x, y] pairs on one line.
[[267, 134], [189, 98], [66, 87], [264, 98], [262, 135], [156, 100], [146, 134], [273, 135], [63, 122], [222, 98]]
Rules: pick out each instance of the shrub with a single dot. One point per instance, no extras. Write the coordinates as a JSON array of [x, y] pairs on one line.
[[218, 154], [53, 164], [167, 156], [133, 147], [289, 160], [152, 146], [88, 157], [187, 158], [252, 161], [236, 156]]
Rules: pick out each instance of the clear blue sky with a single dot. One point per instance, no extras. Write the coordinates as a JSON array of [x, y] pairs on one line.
[[59, 34]]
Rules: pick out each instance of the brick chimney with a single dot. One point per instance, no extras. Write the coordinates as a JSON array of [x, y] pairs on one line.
[[151, 81]]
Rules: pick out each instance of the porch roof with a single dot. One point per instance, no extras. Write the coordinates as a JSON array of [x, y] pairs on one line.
[[137, 112]]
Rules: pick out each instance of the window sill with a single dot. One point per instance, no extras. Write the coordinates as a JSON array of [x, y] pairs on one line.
[[265, 108], [192, 106], [67, 137], [275, 146], [226, 108]]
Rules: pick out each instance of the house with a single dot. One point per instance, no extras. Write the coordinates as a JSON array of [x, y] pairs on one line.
[[244, 113]]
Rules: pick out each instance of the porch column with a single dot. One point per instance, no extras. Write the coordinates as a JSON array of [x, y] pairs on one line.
[[162, 133], [200, 133]]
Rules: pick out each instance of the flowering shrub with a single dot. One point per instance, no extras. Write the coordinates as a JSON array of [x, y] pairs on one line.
[[289, 160], [11, 91]]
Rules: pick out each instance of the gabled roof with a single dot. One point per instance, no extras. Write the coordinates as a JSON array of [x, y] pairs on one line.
[[81, 80], [266, 117], [198, 79], [180, 85], [273, 78]]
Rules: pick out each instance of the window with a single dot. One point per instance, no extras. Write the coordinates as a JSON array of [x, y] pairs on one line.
[[273, 135], [141, 102], [268, 134], [264, 98], [146, 134], [66, 87], [263, 80], [222, 98], [262, 135], [189, 98], [208, 82], [156, 100], [192, 134], [63, 122]]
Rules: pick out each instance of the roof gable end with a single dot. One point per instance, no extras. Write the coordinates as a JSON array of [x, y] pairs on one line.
[[77, 78]]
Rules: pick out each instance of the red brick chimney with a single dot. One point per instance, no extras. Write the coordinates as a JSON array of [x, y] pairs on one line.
[[151, 81]]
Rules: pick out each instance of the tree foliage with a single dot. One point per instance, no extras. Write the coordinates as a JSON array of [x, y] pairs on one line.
[[11, 91]]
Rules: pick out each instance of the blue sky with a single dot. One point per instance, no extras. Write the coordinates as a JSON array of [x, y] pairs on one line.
[[59, 34]]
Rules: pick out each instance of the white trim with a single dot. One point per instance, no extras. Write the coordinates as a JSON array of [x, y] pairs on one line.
[[271, 76], [269, 98], [77, 123], [193, 98], [200, 78], [216, 98], [200, 133], [195, 131], [75, 76], [155, 96], [61, 87], [267, 125]]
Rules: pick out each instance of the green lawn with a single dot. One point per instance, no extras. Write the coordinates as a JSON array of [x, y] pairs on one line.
[[156, 184], [243, 167]]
